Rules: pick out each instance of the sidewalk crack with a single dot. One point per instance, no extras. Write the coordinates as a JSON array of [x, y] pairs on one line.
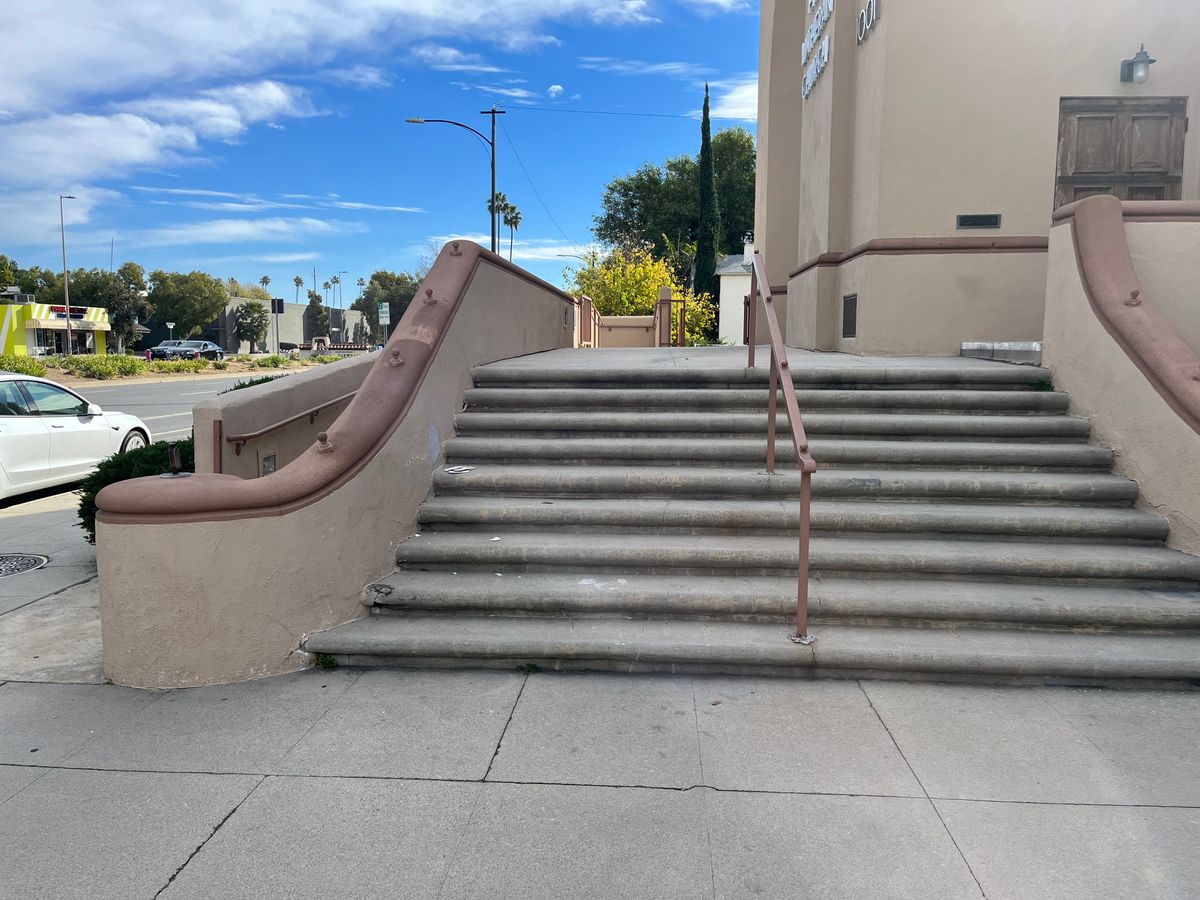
[[211, 835], [937, 812], [504, 731]]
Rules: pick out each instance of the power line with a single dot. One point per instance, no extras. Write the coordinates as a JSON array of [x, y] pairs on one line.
[[536, 192], [533, 107]]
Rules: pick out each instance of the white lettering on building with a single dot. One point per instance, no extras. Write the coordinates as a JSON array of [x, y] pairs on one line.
[[817, 67], [867, 18], [822, 11]]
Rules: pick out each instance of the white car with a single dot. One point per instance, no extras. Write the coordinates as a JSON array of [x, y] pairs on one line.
[[50, 435]]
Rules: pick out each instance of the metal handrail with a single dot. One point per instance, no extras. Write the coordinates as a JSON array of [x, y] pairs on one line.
[[239, 440], [781, 376], [589, 322]]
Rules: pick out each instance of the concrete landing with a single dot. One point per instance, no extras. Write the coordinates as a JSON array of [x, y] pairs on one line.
[[471, 784]]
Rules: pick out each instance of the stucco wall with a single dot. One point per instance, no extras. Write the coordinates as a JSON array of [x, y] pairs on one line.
[[945, 108], [1154, 446], [626, 331], [242, 593], [1166, 257], [731, 319]]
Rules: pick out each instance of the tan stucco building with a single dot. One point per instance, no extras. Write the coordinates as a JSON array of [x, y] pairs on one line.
[[882, 122]]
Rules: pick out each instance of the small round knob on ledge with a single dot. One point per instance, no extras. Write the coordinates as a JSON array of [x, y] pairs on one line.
[[323, 444], [396, 361], [1135, 298], [429, 298], [454, 251]]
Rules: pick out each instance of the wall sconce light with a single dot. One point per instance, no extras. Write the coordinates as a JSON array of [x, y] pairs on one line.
[[1137, 70]]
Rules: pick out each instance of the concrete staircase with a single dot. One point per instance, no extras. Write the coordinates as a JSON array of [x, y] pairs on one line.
[[620, 517]]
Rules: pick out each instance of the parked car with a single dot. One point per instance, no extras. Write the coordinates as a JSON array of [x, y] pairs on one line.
[[165, 350], [50, 435], [197, 349]]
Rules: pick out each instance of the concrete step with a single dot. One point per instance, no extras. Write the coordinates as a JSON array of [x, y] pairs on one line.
[[741, 516], [872, 375], [736, 647], [549, 481], [533, 551], [751, 451], [755, 399], [766, 598], [894, 425]]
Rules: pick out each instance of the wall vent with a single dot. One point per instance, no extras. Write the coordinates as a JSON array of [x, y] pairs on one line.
[[979, 220], [850, 316]]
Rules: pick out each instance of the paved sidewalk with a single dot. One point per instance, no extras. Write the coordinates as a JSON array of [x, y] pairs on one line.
[[363, 784]]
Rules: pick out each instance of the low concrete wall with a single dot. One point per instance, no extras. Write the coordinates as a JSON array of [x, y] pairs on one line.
[[1155, 446], [626, 331], [230, 594], [277, 408]]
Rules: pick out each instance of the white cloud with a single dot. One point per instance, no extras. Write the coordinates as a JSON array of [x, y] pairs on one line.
[[226, 201], [240, 231], [30, 218], [449, 59], [513, 93], [554, 91], [57, 50], [737, 99], [359, 76], [228, 111], [524, 250], [350, 204], [719, 6], [59, 149], [684, 70]]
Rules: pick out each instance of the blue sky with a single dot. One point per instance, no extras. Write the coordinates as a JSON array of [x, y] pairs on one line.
[[263, 137]]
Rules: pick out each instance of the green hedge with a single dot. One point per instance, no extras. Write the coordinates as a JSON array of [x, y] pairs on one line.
[[177, 366], [150, 460], [23, 365]]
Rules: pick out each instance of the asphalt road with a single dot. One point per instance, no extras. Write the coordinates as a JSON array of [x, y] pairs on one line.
[[165, 407]]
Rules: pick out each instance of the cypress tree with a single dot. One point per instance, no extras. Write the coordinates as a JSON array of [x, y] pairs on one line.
[[709, 232]]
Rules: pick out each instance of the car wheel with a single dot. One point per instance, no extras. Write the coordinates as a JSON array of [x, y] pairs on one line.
[[135, 440]]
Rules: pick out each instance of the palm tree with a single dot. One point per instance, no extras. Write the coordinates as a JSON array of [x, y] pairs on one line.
[[264, 281], [362, 285], [498, 204], [512, 218], [299, 283]]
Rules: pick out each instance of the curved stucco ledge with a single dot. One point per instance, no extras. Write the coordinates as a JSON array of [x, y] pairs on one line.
[[1116, 349], [215, 578]]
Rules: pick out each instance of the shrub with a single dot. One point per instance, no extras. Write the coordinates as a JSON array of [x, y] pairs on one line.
[[177, 366], [250, 382], [150, 460], [220, 365], [274, 361], [244, 358], [23, 365], [324, 358]]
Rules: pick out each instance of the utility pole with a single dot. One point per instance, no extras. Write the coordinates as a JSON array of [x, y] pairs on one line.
[[493, 112], [62, 227]]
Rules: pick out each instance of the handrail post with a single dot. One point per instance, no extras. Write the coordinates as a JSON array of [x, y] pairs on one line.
[[752, 315], [662, 336], [682, 339], [802, 636], [773, 386]]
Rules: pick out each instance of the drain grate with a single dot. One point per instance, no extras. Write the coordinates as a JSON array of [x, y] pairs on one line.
[[18, 563]]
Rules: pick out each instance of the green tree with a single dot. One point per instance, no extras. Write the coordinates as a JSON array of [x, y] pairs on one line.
[[191, 301], [244, 289], [316, 317], [396, 289], [8, 271], [626, 281], [251, 322], [660, 203], [265, 281], [299, 283], [708, 232]]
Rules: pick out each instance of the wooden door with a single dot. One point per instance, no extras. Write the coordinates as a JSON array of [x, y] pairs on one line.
[[1130, 147]]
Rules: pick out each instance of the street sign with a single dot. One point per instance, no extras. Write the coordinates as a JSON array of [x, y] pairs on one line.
[[277, 305], [170, 324], [385, 314]]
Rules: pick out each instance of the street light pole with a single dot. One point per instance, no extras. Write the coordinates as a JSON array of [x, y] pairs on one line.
[[62, 228], [491, 145]]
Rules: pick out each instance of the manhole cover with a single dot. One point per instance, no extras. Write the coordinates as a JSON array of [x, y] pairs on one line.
[[16, 563]]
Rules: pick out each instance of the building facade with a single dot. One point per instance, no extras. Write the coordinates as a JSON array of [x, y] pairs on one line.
[[41, 329], [911, 153]]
